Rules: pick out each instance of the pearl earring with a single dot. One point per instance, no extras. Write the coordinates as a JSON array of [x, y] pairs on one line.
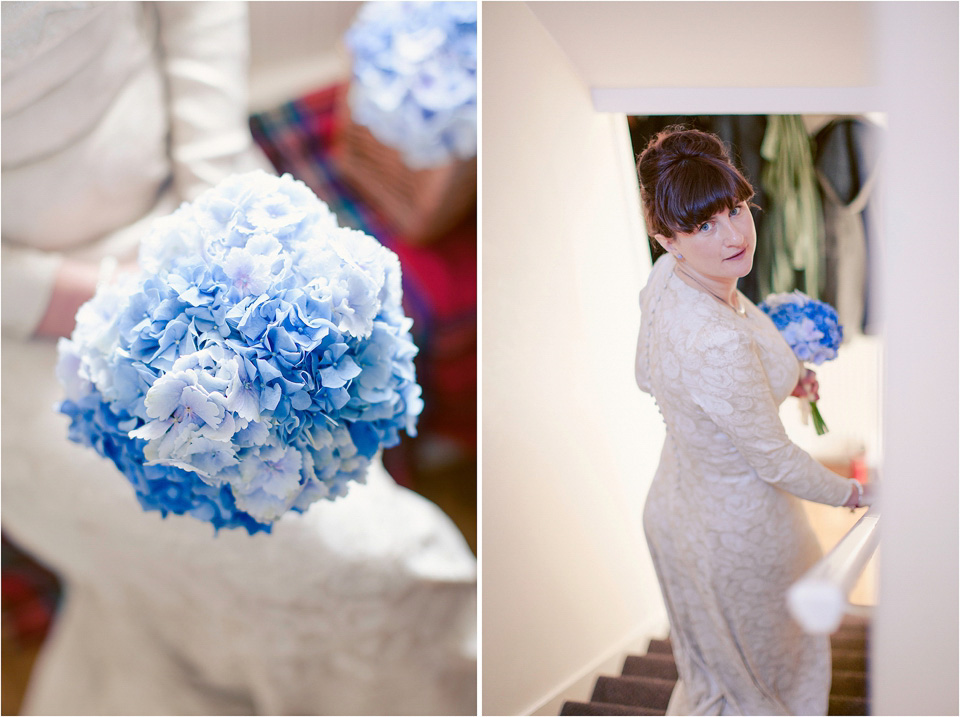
[[679, 255]]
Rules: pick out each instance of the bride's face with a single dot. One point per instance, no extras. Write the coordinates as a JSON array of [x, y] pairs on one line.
[[721, 247]]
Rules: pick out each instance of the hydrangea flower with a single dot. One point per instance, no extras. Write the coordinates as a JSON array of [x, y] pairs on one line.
[[255, 365], [810, 327], [414, 81]]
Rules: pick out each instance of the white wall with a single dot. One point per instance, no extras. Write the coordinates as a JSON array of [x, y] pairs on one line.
[[850, 403], [915, 647], [295, 48], [569, 443]]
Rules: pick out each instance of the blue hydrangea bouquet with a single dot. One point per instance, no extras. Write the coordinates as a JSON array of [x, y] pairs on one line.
[[256, 364], [414, 83], [811, 328]]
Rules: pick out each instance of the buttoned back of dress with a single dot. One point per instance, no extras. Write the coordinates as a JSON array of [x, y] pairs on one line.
[[695, 356]]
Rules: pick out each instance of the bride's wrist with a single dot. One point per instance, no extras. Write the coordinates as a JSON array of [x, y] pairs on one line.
[[855, 498]]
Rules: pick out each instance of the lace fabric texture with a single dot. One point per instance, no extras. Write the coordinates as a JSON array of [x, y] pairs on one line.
[[723, 519]]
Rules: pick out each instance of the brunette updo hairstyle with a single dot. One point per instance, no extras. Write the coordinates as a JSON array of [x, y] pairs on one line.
[[686, 176]]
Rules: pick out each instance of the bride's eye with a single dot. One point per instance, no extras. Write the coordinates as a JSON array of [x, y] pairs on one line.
[[735, 211], [706, 226]]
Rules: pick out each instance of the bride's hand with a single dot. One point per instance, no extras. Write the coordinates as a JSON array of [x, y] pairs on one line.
[[869, 496], [807, 387], [76, 282]]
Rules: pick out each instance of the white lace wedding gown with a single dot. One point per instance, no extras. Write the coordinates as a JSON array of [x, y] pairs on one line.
[[723, 519]]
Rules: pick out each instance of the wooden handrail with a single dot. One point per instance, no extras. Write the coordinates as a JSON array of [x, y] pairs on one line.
[[818, 600]]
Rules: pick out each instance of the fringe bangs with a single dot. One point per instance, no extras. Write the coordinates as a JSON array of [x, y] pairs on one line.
[[699, 188]]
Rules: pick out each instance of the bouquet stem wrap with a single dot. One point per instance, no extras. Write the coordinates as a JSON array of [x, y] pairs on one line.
[[256, 364]]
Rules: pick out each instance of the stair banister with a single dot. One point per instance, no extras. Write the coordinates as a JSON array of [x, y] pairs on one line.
[[818, 600]]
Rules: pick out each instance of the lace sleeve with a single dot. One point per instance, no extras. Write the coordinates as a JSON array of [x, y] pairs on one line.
[[731, 387], [28, 278], [204, 55]]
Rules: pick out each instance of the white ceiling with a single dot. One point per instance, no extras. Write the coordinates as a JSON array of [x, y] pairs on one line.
[[715, 44]]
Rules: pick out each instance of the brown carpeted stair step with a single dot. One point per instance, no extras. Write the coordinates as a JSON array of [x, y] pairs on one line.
[[844, 640], [651, 665], [650, 692], [660, 646], [843, 637], [647, 681], [855, 622], [844, 682], [848, 683], [605, 708], [847, 705], [852, 628], [850, 660]]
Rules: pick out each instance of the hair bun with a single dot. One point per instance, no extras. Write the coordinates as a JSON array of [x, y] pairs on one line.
[[681, 143], [686, 175]]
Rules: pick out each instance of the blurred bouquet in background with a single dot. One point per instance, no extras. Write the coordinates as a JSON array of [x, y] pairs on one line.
[[414, 83], [811, 328], [256, 364]]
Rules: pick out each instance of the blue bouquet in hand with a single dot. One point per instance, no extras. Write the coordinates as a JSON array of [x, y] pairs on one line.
[[811, 328], [256, 364]]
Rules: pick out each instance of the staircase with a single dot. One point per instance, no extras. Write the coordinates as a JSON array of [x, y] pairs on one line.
[[646, 681]]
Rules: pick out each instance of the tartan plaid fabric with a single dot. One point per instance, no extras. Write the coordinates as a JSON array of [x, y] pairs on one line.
[[31, 594], [439, 279]]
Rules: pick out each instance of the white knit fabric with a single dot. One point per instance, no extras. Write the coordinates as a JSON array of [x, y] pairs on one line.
[[726, 530]]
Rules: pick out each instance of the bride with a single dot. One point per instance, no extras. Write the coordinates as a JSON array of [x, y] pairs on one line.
[[723, 517]]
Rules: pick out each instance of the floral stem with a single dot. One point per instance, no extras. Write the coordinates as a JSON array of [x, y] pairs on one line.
[[818, 423]]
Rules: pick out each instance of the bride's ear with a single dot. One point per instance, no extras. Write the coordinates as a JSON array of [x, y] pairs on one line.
[[665, 242]]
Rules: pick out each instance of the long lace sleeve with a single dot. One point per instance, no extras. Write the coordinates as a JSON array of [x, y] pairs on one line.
[[730, 385], [28, 276], [204, 55]]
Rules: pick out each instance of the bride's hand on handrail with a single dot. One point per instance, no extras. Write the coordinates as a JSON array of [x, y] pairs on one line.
[[860, 498]]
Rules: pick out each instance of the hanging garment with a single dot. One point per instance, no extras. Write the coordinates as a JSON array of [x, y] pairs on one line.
[[790, 243], [743, 135], [847, 165]]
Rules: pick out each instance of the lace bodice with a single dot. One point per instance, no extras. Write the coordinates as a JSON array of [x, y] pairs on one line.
[[718, 379]]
